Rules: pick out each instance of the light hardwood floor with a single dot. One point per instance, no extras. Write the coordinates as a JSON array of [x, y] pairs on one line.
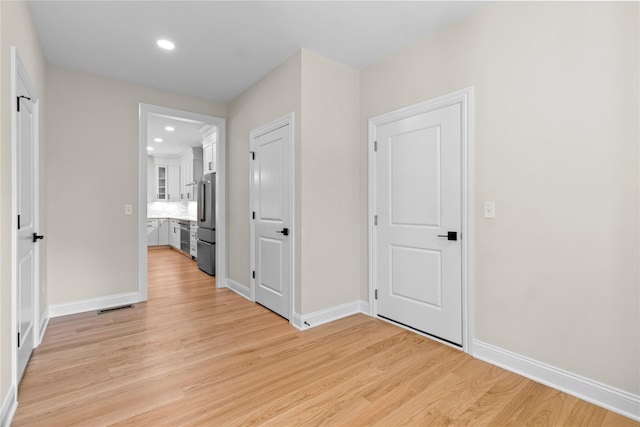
[[197, 355]]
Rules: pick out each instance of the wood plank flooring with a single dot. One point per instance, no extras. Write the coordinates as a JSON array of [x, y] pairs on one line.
[[197, 355]]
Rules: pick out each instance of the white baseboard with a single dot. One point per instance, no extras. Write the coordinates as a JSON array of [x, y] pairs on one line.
[[320, 317], [9, 406], [239, 289], [93, 304], [364, 308], [594, 392], [44, 322], [222, 283]]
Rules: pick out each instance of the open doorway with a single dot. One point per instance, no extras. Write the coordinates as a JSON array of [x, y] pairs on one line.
[[178, 150]]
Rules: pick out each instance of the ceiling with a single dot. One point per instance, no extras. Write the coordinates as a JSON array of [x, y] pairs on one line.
[[184, 135], [223, 47]]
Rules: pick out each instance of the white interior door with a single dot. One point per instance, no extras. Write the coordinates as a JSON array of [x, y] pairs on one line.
[[26, 207], [271, 207], [418, 202]]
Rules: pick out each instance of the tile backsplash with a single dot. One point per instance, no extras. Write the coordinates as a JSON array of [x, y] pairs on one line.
[[171, 209]]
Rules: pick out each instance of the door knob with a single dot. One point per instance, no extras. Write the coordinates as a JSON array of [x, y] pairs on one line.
[[37, 237], [284, 231], [451, 235]]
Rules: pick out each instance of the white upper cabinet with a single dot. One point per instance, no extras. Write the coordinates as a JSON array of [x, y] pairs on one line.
[[209, 144], [173, 187], [161, 182], [167, 182], [190, 172]]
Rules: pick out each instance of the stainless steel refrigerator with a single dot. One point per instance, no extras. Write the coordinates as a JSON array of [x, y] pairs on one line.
[[207, 224]]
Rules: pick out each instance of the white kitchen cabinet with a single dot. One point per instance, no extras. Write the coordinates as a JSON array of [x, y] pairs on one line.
[[209, 158], [161, 182], [193, 243], [167, 182], [190, 172], [152, 232], [173, 192], [163, 232], [174, 233], [209, 147]]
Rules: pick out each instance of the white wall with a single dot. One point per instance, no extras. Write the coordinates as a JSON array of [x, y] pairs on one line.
[[16, 28], [275, 95], [92, 151], [330, 249], [556, 137], [323, 95]]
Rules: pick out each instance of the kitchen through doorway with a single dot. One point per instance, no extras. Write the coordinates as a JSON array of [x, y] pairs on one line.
[[182, 189]]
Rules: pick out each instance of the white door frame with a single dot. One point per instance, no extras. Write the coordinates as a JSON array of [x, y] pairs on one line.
[[221, 192], [276, 124], [18, 70], [464, 97]]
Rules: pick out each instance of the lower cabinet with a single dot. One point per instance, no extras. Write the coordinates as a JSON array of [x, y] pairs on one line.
[[174, 233], [157, 231], [163, 232], [152, 232], [193, 232]]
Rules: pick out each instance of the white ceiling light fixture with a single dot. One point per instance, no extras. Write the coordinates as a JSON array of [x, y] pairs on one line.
[[149, 148], [169, 129], [166, 44], [157, 139]]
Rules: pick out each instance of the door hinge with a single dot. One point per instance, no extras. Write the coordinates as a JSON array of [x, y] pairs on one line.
[[375, 145], [375, 220], [19, 339], [24, 97], [253, 215], [253, 155], [253, 274], [376, 294], [18, 222]]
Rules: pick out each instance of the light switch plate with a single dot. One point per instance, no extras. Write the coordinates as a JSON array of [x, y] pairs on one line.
[[128, 209], [489, 210]]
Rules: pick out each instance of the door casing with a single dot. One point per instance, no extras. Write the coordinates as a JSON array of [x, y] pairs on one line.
[[464, 97], [276, 124], [221, 194], [18, 70]]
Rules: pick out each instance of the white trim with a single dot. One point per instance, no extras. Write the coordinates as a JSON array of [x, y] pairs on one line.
[[239, 289], [364, 307], [221, 191], [44, 322], [613, 399], [327, 315], [464, 97], [9, 406], [93, 304], [288, 119]]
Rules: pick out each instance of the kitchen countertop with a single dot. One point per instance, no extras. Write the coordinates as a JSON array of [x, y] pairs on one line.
[[183, 218]]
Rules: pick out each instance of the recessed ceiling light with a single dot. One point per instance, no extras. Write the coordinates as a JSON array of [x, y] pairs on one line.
[[149, 148], [169, 129], [166, 44], [157, 139]]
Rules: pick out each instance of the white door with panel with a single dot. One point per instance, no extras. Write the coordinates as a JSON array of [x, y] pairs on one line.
[[27, 237], [271, 206], [418, 197]]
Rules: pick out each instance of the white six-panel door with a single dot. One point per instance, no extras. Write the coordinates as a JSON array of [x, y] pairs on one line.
[[271, 209], [26, 207], [418, 202]]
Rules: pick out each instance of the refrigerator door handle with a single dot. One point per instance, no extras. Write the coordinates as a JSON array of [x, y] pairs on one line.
[[201, 201]]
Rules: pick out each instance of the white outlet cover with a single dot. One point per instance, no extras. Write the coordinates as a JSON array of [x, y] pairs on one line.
[[128, 209], [489, 210]]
